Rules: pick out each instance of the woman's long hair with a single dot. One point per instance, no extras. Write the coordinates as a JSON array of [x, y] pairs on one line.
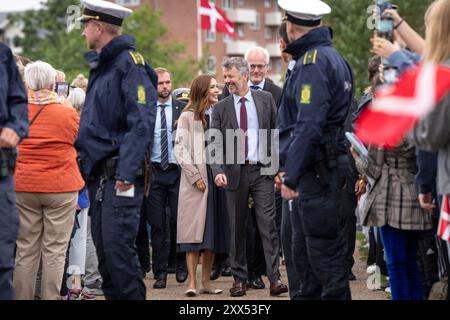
[[437, 43], [198, 97]]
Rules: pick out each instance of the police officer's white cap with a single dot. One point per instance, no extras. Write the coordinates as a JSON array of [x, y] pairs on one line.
[[104, 11], [305, 12]]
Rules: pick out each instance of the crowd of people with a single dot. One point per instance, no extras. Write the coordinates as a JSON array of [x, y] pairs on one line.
[[121, 175]]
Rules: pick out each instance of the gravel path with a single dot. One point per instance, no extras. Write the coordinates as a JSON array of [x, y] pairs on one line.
[[175, 291]]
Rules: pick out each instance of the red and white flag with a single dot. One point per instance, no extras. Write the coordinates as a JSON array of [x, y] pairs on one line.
[[214, 20], [444, 221], [399, 107]]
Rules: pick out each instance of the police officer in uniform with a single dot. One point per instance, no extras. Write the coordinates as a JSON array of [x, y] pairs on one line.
[[13, 128], [116, 127], [319, 94]]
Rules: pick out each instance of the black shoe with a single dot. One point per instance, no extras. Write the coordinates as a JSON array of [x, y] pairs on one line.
[[256, 283], [181, 275], [351, 277], [160, 283], [226, 272], [215, 274]]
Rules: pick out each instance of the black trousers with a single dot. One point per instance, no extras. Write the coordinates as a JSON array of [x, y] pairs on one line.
[[164, 189], [347, 202], [9, 227], [317, 241], [114, 226]]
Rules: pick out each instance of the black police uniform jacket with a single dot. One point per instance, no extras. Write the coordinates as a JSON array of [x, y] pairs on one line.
[[119, 114], [13, 98], [315, 103]]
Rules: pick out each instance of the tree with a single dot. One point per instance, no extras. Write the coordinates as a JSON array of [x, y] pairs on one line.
[[351, 33], [47, 39]]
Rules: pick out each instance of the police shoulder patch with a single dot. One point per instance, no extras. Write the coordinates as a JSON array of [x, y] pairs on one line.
[[305, 97], [141, 96], [137, 57], [310, 57]]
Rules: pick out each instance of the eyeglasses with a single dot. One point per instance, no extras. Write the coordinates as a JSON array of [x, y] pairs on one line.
[[259, 66]]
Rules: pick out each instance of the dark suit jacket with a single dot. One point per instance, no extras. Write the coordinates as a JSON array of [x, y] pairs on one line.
[[224, 117], [269, 86]]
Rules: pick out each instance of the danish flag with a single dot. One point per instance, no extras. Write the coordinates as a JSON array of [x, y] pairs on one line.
[[444, 221], [214, 20], [399, 107]]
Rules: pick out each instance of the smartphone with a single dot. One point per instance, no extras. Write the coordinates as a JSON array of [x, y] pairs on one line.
[[62, 89], [357, 144]]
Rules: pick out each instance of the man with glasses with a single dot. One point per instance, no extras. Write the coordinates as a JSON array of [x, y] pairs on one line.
[[258, 60]]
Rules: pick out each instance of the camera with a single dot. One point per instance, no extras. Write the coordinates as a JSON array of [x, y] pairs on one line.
[[385, 23], [62, 89], [385, 29]]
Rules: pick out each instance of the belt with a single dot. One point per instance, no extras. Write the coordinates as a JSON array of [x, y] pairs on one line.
[[251, 163], [172, 166]]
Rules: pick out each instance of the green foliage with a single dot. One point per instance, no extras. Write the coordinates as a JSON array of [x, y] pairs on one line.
[[46, 38], [145, 25], [352, 35]]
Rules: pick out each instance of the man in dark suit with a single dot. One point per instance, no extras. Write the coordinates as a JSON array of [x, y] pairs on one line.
[[247, 111], [164, 183], [258, 60]]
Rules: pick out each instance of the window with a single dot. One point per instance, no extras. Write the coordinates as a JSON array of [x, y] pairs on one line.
[[257, 24], [277, 65], [227, 38], [227, 4], [210, 36], [268, 34], [240, 31], [267, 3], [211, 65], [128, 2]]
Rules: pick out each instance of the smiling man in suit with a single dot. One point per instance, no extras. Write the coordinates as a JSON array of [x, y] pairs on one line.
[[249, 111], [165, 181]]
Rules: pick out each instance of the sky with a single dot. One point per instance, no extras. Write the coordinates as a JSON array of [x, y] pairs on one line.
[[19, 5]]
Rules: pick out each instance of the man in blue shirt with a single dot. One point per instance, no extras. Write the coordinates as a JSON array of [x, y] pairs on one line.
[[164, 185]]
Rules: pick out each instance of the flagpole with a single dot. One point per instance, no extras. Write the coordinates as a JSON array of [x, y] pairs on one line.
[[199, 33]]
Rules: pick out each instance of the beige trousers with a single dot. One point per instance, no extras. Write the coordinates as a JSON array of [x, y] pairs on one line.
[[46, 222]]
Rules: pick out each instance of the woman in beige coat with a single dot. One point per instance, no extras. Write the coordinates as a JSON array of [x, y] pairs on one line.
[[199, 220]]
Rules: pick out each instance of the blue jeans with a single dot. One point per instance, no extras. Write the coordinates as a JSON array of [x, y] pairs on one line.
[[400, 247]]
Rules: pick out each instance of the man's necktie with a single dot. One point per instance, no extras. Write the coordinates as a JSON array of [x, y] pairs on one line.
[[244, 127], [255, 87], [164, 141]]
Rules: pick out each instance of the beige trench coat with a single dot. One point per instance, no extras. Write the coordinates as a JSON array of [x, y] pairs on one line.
[[189, 151]]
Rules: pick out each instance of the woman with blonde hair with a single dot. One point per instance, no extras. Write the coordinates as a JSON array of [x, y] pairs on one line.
[[433, 133], [201, 217]]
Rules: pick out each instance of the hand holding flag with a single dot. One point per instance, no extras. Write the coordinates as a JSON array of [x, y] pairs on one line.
[[399, 107]]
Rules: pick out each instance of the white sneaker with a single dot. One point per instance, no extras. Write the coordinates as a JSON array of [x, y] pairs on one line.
[[371, 269], [387, 290]]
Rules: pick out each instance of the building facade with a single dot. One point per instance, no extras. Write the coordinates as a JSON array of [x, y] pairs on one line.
[[256, 24], [9, 31]]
